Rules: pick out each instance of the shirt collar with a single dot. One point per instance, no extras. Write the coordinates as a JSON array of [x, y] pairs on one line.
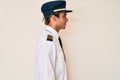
[[53, 31]]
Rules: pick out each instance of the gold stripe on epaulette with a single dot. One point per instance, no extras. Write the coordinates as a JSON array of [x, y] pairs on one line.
[[49, 38]]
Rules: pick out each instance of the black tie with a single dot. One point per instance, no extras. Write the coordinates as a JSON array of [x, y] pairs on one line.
[[60, 41]]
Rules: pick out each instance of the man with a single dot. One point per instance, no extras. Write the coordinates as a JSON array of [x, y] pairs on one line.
[[50, 59]]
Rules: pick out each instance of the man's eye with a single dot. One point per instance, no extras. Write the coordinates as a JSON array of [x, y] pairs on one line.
[[64, 16]]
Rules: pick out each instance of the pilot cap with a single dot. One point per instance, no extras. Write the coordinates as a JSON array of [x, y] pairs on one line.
[[54, 6]]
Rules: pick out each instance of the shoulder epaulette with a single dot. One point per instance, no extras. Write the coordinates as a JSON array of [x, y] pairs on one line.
[[49, 38]]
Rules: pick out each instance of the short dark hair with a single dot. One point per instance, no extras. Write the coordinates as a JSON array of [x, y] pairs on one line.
[[47, 18]]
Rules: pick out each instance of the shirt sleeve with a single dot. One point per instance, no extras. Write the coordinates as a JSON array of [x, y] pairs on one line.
[[46, 61]]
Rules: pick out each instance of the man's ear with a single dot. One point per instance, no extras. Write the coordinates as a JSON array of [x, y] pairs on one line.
[[53, 18]]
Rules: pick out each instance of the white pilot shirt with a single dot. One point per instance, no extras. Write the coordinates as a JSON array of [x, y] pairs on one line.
[[50, 62]]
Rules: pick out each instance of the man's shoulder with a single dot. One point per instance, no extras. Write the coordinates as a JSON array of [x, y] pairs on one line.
[[47, 36], [46, 39]]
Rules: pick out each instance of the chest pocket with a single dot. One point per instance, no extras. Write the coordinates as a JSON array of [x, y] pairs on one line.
[[60, 56]]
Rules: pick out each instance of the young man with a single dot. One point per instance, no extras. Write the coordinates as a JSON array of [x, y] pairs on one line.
[[50, 59]]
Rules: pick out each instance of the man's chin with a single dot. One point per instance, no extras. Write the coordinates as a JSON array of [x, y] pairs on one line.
[[63, 27]]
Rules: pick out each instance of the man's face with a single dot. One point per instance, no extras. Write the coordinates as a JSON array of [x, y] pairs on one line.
[[61, 21]]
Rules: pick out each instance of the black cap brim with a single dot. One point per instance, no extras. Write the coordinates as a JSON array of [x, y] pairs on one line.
[[68, 11]]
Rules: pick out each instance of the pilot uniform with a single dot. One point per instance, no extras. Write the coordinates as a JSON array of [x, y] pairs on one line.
[[50, 60]]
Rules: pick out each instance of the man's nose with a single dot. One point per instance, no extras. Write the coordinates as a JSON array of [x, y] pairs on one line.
[[66, 19]]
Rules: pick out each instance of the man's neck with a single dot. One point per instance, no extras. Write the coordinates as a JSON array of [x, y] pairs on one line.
[[54, 27]]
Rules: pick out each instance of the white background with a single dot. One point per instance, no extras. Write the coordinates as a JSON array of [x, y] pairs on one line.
[[91, 39]]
